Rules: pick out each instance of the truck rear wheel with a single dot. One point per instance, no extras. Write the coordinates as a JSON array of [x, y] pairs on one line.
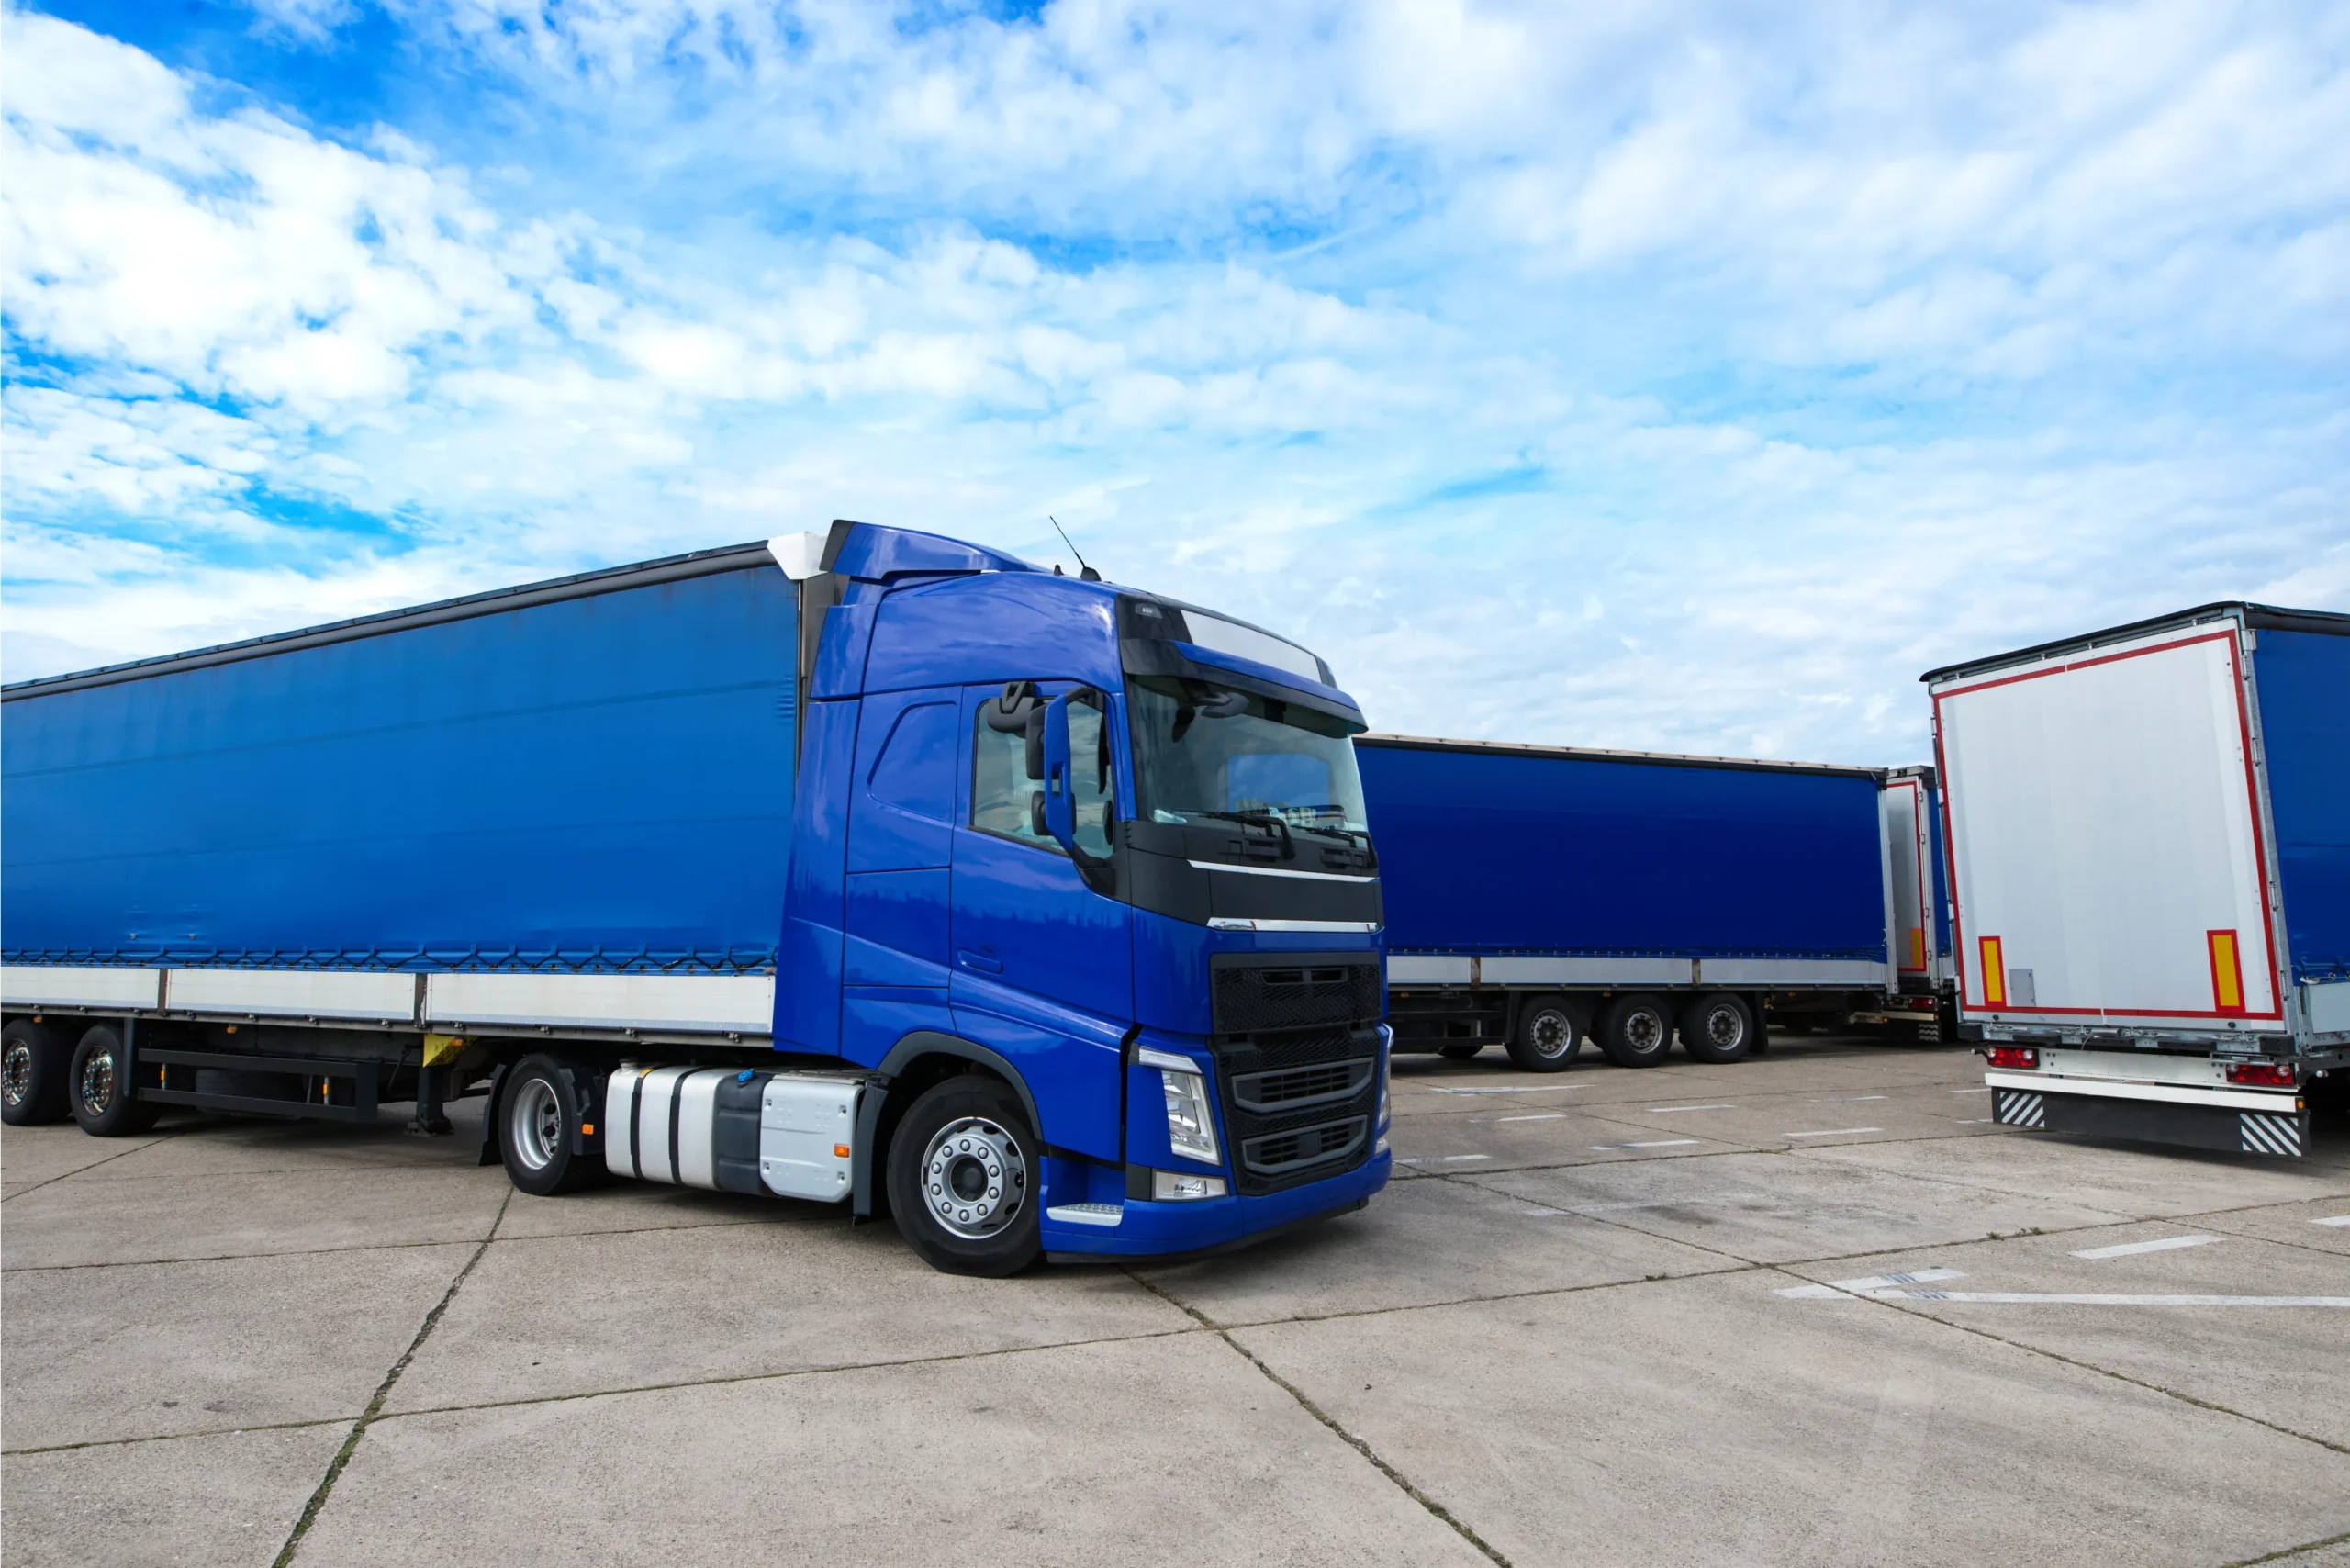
[[98, 1086], [964, 1179], [1547, 1035], [1637, 1031], [32, 1074], [538, 1119], [1716, 1028]]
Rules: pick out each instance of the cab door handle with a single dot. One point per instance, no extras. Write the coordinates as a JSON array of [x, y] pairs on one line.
[[986, 963]]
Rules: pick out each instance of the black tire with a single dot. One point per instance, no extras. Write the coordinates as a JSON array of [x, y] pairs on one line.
[[99, 1091], [1717, 1027], [540, 1111], [1462, 1050], [1636, 1031], [997, 1175], [1548, 1036], [33, 1066]]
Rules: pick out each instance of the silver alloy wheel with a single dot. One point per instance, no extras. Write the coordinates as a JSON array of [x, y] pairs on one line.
[[1551, 1034], [97, 1083], [537, 1123], [1644, 1030], [973, 1178], [1724, 1026], [17, 1072]]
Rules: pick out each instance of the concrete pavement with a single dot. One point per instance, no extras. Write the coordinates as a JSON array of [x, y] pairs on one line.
[[1630, 1316]]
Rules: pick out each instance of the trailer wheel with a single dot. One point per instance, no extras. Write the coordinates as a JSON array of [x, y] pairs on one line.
[[1547, 1038], [1461, 1050], [32, 1074], [1716, 1028], [539, 1118], [966, 1180], [1637, 1031], [100, 1090]]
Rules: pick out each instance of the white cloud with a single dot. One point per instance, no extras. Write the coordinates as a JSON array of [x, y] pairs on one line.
[[1658, 377]]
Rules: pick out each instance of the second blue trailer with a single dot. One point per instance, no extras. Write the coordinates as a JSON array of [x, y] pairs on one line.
[[1540, 896]]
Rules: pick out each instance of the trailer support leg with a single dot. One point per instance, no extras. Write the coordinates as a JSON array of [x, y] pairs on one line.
[[431, 1084]]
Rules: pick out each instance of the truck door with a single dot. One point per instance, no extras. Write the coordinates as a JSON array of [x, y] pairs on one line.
[[1043, 968], [901, 813]]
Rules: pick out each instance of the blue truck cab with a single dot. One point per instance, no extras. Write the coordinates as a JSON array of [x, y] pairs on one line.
[[1037, 912], [1109, 849]]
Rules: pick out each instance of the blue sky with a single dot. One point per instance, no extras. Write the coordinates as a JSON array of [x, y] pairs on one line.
[[1685, 376]]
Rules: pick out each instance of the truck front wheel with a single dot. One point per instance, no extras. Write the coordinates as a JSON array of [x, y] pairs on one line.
[[1637, 1031], [540, 1116], [98, 1087], [32, 1074], [964, 1179], [1716, 1028], [1547, 1038]]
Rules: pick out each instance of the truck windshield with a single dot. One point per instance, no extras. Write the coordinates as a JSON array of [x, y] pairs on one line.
[[1203, 751]]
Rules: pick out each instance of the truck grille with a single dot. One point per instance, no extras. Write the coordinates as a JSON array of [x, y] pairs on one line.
[[1298, 1087], [1279, 1154], [1251, 999], [1298, 1104]]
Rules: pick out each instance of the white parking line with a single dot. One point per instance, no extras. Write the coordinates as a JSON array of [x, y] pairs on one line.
[[1510, 1088], [1836, 1132], [1985, 1089], [1544, 1116], [1846, 1099], [2131, 1248], [1661, 1143], [1659, 1110], [1442, 1158], [2086, 1299], [2332, 1219]]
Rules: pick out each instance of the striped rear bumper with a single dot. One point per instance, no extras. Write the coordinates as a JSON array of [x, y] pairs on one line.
[[2281, 1134]]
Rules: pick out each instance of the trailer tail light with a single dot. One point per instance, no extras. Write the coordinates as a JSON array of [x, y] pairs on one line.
[[2026, 1056], [2261, 1074]]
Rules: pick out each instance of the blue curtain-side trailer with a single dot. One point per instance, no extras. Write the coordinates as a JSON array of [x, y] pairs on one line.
[[2148, 833], [1541, 896], [870, 867]]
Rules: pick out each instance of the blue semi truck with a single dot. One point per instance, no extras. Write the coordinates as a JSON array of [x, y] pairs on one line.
[[1539, 897], [871, 868]]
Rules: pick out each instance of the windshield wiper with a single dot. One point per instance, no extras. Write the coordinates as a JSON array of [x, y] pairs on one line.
[[1273, 820]]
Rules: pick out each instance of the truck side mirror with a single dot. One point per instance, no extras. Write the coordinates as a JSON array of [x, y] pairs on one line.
[[1059, 801]]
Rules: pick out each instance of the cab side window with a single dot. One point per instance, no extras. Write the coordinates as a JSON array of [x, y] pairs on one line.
[[1003, 794]]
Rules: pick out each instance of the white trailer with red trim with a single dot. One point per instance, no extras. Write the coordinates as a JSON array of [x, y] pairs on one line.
[[2148, 841]]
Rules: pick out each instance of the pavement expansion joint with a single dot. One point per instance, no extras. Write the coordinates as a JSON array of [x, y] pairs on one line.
[[68, 1175], [242, 1257], [784, 1374], [336, 1465], [1402, 1483], [1909, 1309], [2288, 1553], [171, 1436]]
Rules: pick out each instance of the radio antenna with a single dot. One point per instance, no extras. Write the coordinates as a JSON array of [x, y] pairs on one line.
[[1084, 572]]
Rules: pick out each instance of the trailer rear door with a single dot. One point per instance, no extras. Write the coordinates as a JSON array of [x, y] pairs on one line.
[[2105, 837], [1908, 849]]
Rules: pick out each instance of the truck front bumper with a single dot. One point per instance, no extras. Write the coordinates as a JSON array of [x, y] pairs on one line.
[[1140, 1228], [2190, 1115]]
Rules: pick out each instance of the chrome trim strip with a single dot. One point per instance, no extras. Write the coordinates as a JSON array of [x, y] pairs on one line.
[[1270, 871], [1086, 1214], [1167, 1061], [1229, 923]]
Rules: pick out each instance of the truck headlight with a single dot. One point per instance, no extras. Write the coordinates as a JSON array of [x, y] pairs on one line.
[[1190, 1126]]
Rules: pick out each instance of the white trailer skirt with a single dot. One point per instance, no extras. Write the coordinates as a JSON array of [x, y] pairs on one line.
[[2105, 839]]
